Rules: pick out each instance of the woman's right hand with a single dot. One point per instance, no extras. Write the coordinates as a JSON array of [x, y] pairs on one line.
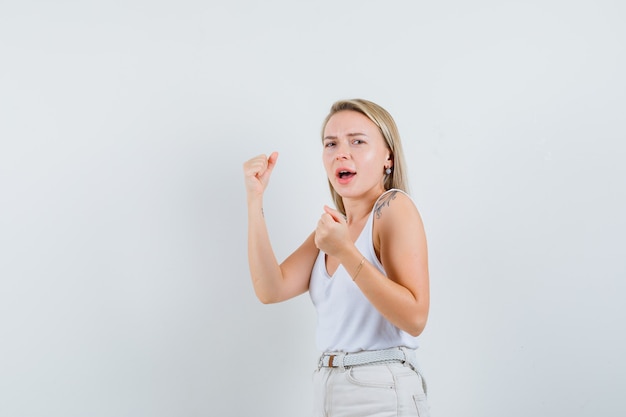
[[257, 173]]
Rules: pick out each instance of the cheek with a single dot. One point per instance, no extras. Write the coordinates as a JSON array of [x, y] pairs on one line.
[[327, 160], [372, 159]]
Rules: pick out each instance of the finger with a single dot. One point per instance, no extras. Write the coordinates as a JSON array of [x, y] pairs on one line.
[[334, 214], [268, 164], [328, 220], [256, 165], [271, 161]]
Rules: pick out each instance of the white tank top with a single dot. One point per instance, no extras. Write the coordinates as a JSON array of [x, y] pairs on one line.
[[346, 320]]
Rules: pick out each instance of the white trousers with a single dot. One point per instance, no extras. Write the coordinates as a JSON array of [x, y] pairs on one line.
[[381, 390]]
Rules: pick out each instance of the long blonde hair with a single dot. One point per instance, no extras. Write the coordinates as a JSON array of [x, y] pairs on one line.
[[387, 126]]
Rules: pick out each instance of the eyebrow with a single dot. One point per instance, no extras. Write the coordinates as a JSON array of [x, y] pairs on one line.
[[349, 135]]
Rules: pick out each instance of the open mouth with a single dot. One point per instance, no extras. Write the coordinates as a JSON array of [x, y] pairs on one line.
[[345, 174]]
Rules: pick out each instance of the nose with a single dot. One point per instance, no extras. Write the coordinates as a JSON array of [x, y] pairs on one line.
[[343, 152]]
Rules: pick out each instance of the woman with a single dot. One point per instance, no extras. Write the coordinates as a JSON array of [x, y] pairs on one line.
[[365, 267]]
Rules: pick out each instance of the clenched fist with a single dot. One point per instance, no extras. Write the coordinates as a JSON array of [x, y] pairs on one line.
[[257, 173], [331, 234]]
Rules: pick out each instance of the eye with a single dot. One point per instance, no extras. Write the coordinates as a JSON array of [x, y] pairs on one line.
[[358, 141], [329, 144]]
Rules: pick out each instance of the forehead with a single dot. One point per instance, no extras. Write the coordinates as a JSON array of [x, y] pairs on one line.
[[350, 121]]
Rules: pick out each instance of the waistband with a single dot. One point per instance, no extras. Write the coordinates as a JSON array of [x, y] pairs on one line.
[[368, 357]]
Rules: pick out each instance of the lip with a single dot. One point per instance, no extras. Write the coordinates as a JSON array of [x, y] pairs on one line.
[[346, 180]]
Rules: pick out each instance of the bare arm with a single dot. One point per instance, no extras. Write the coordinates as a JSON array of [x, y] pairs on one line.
[[402, 296], [273, 282]]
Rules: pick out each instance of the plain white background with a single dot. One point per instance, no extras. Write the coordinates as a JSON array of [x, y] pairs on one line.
[[124, 288]]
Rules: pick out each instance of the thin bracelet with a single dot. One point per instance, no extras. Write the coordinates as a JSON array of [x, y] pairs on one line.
[[358, 268]]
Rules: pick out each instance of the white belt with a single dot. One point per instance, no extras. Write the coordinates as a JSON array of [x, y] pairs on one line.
[[342, 359]]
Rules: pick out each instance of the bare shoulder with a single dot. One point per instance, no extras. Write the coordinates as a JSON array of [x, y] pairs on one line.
[[394, 206], [396, 221], [399, 237]]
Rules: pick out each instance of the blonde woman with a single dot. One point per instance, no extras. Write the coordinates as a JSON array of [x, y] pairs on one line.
[[365, 267]]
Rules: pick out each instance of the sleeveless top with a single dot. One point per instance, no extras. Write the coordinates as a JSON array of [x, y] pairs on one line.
[[346, 320]]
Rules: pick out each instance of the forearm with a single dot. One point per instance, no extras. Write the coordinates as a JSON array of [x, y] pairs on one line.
[[264, 268], [395, 302]]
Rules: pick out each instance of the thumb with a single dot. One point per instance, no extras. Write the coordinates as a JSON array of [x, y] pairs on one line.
[[335, 214], [271, 161]]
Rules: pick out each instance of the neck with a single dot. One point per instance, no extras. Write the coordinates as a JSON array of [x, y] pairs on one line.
[[358, 208]]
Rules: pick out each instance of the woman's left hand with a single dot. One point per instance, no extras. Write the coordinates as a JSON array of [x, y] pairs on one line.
[[331, 234]]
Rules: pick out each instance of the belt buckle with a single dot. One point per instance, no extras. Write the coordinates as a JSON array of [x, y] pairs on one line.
[[322, 361]]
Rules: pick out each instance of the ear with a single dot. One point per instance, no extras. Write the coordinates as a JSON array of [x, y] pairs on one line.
[[390, 159]]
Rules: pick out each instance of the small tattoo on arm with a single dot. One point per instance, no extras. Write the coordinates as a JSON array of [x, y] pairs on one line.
[[384, 201]]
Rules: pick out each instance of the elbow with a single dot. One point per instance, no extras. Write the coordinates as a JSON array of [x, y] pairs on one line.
[[266, 298], [266, 301], [415, 331], [416, 327], [263, 294], [416, 323]]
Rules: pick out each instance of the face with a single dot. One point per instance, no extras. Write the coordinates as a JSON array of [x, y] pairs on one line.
[[355, 154]]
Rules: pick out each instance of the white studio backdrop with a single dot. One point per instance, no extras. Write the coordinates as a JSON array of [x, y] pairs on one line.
[[124, 288]]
